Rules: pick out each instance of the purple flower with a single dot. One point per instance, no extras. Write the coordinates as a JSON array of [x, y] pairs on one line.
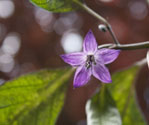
[[91, 61]]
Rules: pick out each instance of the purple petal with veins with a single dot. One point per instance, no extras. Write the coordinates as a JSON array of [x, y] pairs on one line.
[[102, 73], [82, 76], [74, 59], [106, 55], [90, 44]]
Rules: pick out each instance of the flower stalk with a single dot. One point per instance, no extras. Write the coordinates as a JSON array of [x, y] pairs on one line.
[[132, 46], [103, 20], [116, 44]]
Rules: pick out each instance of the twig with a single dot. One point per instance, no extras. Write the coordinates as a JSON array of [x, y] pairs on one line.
[[133, 46], [90, 11]]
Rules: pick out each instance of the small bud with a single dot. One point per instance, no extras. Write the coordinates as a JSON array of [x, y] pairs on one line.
[[147, 57], [102, 28]]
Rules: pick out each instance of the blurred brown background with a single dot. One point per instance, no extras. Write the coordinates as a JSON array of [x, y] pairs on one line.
[[32, 38]]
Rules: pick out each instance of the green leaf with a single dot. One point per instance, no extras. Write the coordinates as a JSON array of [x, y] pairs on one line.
[[101, 109], [123, 92], [33, 99], [56, 5]]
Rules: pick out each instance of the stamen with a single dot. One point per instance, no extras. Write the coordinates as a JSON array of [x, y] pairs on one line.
[[90, 60]]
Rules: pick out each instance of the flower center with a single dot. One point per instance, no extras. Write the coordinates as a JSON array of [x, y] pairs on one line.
[[90, 60]]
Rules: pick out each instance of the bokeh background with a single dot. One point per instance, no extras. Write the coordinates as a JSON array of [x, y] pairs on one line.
[[32, 39]]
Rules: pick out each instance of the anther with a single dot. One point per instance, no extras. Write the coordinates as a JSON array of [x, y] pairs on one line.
[[90, 60]]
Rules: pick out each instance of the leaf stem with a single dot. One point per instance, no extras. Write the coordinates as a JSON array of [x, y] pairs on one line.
[[133, 46], [103, 20]]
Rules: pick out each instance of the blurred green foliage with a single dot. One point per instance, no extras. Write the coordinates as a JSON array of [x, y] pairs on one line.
[[123, 92], [101, 109], [56, 5], [34, 99]]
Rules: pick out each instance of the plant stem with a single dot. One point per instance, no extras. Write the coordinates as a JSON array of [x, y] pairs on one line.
[[117, 45], [103, 20], [133, 46]]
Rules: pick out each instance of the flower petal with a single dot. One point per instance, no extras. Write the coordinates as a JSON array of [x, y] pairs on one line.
[[74, 59], [90, 44], [82, 76], [102, 73], [106, 55]]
